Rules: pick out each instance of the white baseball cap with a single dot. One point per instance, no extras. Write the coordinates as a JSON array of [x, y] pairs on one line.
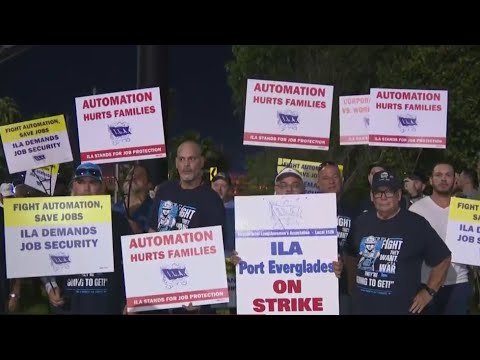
[[286, 172], [7, 189]]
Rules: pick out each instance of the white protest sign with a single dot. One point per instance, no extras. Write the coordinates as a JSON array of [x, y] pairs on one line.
[[408, 118], [463, 231], [285, 114], [354, 116], [170, 269], [58, 236], [287, 245], [43, 179], [121, 126], [36, 143]]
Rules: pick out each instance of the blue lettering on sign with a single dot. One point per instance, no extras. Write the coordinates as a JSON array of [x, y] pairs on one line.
[[174, 274], [278, 248], [405, 121], [288, 118], [119, 131], [38, 157], [60, 259]]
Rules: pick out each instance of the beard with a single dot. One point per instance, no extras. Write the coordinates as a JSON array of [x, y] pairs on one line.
[[443, 192]]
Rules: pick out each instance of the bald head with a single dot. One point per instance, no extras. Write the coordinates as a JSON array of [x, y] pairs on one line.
[[189, 163]]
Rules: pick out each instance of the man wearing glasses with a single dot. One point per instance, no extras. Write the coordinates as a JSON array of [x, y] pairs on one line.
[[187, 203], [289, 181], [396, 242]]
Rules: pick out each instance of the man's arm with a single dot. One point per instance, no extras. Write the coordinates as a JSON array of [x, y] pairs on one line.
[[53, 291], [120, 228], [435, 281], [439, 274], [436, 255]]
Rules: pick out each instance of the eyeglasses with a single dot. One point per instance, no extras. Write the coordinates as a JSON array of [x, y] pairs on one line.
[[388, 194], [293, 187], [88, 172]]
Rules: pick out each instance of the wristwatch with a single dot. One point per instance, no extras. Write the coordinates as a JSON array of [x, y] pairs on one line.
[[430, 291]]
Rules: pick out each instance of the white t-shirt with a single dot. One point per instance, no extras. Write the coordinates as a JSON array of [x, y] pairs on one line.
[[438, 218]]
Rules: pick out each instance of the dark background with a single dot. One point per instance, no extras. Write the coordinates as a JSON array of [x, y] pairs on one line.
[[46, 79]]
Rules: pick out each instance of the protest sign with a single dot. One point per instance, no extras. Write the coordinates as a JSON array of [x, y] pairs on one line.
[[43, 179], [287, 245], [408, 118], [58, 236], [354, 117], [170, 269], [284, 114], [121, 126], [463, 231], [36, 143]]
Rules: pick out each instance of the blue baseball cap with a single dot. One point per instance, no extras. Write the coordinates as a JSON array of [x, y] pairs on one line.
[[88, 170]]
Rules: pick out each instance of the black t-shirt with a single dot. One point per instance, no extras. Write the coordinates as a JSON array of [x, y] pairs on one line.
[[345, 216], [390, 255], [4, 288], [99, 293], [175, 208]]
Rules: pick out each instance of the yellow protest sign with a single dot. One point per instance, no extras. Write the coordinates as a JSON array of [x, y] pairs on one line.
[[71, 210], [308, 170], [58, 236], [463, 231], [36, 143], [43, 179]]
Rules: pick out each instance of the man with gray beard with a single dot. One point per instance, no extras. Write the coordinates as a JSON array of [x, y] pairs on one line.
[[187, 203], [455, 296]]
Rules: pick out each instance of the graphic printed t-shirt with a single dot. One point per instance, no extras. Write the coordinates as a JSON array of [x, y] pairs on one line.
[[99, 293], [390, 255], [175, 208]]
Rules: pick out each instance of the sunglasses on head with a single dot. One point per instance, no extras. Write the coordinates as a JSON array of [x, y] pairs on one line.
[[88, 172], [325, 164]]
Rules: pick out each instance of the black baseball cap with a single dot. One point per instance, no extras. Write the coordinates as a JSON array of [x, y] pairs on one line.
[[222, 176], [385, 179]]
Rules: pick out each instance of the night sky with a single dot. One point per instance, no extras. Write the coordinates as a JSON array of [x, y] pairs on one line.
[[46, 79]]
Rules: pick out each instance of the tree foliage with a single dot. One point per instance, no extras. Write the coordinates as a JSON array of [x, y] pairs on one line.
[[9, 114], [354, 69], [214, 156]]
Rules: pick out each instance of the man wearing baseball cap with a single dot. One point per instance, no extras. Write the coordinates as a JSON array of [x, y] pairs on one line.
[[386, 250], [69, 294], [289, 181], [7, 190]]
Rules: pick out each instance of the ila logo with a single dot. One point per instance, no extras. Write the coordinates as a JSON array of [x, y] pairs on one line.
[[407, 123], [119, 132], [174, 275], [287, 120], [60, 261], [38, 158]]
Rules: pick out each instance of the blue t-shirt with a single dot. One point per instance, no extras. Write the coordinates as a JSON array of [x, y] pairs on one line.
[[390, 254]]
